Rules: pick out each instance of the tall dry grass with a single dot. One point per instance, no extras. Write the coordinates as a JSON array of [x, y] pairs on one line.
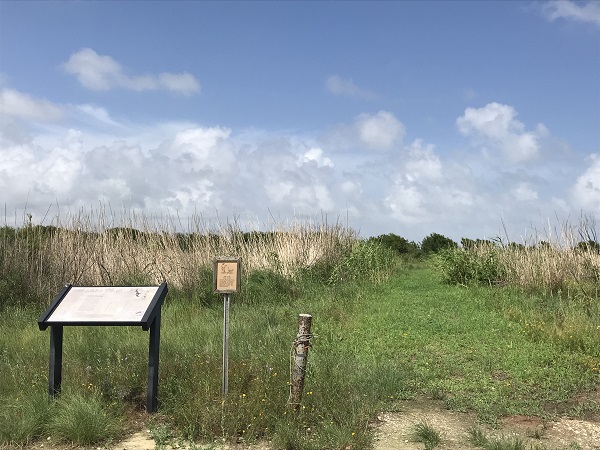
[[562, 258], [95, 248]]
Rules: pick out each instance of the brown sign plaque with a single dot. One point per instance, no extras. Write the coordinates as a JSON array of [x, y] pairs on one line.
[[227, 275]]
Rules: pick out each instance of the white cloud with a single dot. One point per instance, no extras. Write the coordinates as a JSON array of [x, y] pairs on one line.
[[202, 149], [496, 125], [580, 12], [367, 135], [423, 190], [380, 131], [103, 73], [422, 163], [586, 191], [17, 104], [98, 113], [182, 83], [524, 193], [407, 204], [345, 87], [316, 155]]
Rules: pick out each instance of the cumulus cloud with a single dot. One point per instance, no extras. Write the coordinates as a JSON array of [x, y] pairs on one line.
[[495, 125], [17, 104], [424, 190], [569, 10], [380, 131], [346, 87], [586, 191], [103, 73], [366, 135], [422, 163], [524, 193], [316, 155]]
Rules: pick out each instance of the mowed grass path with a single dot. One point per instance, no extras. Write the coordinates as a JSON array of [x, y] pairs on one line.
[[456, 344]]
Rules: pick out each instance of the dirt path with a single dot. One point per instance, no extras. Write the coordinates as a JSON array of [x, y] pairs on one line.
[[395, 429]]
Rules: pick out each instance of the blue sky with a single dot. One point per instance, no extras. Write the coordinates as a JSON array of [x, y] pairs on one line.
[[460, 118]]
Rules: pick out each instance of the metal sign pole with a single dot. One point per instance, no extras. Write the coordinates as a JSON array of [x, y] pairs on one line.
[[225, 342]]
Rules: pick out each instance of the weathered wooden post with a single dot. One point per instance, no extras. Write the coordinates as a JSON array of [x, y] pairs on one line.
[[301, 346]]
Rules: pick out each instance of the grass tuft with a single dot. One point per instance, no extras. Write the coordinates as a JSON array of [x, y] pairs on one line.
[[84, 419], [427, 435]]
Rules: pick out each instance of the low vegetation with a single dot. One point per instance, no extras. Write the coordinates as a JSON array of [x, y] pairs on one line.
[[390, 322], [426, 434]]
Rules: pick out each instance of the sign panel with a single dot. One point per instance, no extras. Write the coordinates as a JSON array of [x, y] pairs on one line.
[[104, 304], [227, 275]]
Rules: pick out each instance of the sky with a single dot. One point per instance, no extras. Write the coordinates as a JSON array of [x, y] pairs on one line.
[[467, 119]]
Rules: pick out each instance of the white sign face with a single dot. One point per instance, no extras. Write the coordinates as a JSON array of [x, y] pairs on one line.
[[104, 304]]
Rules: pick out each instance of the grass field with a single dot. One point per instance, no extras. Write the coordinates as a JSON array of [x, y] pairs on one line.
[[491, 329], [374, 344]]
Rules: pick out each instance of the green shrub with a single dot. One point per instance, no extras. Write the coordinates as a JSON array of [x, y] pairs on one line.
[[398, 244], [461, 266], [366, 260], [435, 242]]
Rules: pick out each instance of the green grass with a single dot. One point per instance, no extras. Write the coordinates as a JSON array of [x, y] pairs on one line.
[[85, 418], [374, 344], [479, 439], [426, 434]]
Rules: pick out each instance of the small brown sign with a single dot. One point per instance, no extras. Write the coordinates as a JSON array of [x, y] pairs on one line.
[[227, 275]]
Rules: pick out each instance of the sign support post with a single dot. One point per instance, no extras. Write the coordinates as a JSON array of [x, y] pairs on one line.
[[226, 280], [55, 373], [153, 347], [225, 344]]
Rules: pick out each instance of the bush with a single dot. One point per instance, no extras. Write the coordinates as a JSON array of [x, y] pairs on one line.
[[462, 266], [589, 246], [398, 244], [436, 242], [366, 260]]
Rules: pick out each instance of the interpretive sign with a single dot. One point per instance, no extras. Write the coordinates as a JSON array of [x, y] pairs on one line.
[[105, 305], [227, 275]]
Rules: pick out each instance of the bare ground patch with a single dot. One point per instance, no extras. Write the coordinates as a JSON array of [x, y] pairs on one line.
[[394, 430]]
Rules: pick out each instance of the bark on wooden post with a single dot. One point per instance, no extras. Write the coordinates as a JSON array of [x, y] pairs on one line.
[[301, 346]]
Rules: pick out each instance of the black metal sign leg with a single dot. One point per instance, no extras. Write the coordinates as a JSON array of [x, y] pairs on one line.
[[151, 398], [55, 374]]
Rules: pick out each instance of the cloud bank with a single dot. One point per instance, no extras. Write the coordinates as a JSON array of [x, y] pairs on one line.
[[363, 170]]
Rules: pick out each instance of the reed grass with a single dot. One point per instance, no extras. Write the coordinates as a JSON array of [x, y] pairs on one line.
[[93, 247], [564, 261]]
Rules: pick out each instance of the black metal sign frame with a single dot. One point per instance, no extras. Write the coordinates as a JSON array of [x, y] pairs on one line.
[[149, 319]]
